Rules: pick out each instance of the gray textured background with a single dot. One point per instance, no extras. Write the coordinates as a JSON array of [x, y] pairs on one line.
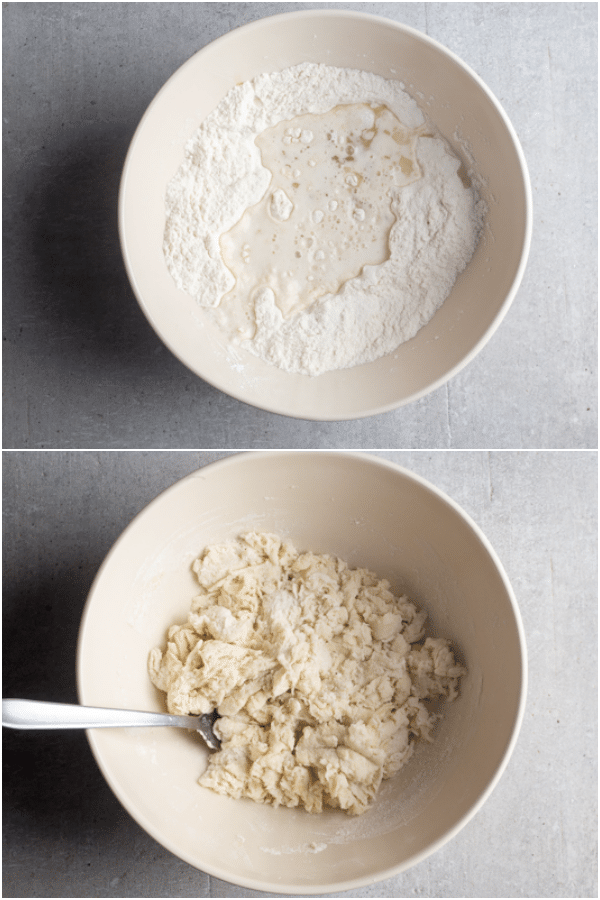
[[82, 368], [67, 836]]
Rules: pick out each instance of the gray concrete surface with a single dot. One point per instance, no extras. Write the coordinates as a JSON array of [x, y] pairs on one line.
[[65, 834], [82, 368]]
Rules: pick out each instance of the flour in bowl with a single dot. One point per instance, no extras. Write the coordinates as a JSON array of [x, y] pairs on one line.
[[319, 218], [319, 673]]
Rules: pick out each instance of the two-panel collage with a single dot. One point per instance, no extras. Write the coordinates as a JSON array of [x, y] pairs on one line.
[[300, 449]]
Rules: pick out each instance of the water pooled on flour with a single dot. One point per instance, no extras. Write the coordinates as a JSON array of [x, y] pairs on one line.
[[326, 213]]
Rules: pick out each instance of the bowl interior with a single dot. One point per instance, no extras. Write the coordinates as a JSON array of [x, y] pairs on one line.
[[370, 513], [467, 115]]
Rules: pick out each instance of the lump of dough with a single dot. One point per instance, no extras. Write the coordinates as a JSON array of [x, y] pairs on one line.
[[318, 671]]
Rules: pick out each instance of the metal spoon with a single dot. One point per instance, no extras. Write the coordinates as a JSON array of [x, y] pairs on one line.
[[37, 714]]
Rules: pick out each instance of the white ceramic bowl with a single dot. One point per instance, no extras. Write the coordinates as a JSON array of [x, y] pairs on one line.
[[450, 93], [371, 513]]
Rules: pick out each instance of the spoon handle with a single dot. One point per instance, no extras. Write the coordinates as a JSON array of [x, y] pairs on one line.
[[38, 714]]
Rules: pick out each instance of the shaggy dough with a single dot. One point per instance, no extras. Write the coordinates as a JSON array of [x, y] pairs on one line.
[[317, 670]]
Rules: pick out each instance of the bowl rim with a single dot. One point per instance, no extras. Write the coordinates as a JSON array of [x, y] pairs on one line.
[[375, 409], [414, 859]]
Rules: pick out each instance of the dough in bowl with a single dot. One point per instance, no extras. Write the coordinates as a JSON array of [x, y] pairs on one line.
[[319, 673]]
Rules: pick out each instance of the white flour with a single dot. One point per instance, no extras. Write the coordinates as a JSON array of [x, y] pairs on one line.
[[435, 230]]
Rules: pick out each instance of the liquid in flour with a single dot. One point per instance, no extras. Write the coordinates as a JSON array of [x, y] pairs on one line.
[[276, 224], [327, 212]]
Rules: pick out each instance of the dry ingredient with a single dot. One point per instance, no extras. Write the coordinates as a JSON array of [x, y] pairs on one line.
[[319, 673], [319, 217]]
